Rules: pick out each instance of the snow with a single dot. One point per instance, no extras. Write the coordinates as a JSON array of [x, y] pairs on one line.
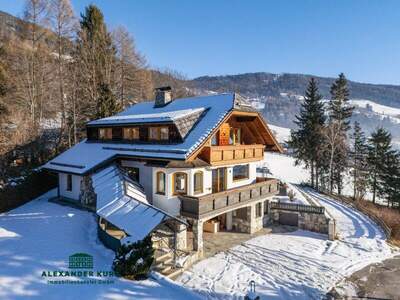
[[169, 116], [40, 236], [123, 203], [383, 110], [283, 168], [282, 134], [295, 265]]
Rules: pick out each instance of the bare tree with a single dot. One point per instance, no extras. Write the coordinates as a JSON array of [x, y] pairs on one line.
[[129, 66], [35, 17], [64, 24]]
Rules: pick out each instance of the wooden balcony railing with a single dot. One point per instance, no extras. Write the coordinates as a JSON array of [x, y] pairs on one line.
[[217, 203], [220, 155]]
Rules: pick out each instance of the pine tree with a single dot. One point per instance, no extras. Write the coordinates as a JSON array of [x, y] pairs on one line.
[[340, 112], [391, 179], [133, 260], [359, 163], [307, 139], [96, 56], [107, 103], [379, 154]]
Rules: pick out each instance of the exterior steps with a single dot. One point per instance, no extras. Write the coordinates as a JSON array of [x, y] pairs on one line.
[[164, 265], [173, 273]]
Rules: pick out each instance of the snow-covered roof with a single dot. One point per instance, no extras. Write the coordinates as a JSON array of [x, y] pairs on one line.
[[123, 203], [85, 156], [161, 117]]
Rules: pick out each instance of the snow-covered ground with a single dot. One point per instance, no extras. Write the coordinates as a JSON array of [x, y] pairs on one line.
[[282, 133], [382, 110], [40, 236], [295, 265]]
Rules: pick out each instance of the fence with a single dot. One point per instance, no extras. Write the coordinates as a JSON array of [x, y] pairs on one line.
[[298, 207]]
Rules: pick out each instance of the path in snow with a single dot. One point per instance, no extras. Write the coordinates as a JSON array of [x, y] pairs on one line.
[[40, 236], [297, 265]]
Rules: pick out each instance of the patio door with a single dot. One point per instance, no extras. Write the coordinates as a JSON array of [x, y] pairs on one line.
[[218, 180]]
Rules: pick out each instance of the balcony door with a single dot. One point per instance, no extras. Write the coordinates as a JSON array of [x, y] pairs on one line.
[[218, 180]]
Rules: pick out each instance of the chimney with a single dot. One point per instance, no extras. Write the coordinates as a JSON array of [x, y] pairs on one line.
[[163, 96]]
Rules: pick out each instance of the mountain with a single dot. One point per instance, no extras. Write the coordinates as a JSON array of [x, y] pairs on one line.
[[279, 96]]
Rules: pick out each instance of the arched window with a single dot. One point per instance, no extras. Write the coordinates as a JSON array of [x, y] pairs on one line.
[[179, 183], [198, 182], [160, 183]]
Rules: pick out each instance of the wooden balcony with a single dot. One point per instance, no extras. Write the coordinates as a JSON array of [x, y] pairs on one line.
[[224, 155], [214, 204]]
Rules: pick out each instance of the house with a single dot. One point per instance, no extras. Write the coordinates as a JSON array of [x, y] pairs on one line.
[[187, 163]]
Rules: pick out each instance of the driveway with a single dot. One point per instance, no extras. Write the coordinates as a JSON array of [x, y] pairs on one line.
[[294, 265]]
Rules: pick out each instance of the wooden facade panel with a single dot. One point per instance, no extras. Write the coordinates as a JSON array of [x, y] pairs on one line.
[[216, 156], [249, 153], [232, 154], [258, 152], [233, 198], [227, 155], [239, 154]]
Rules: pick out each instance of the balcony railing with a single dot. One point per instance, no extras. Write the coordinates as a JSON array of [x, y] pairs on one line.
[[214, 204], [218, 155], [298, 207]]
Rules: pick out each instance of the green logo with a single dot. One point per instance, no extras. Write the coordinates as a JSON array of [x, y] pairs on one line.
[[80, 261]]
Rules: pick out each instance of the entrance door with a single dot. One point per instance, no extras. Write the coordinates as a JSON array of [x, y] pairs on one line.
[[218, 180]]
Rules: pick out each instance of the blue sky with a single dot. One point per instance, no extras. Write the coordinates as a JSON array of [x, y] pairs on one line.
[[359, 38]]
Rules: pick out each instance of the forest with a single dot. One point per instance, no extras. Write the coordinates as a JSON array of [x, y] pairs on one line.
[[58, 71]]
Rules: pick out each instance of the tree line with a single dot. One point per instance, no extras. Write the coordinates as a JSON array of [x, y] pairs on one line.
[[67, 69], [333, 149]]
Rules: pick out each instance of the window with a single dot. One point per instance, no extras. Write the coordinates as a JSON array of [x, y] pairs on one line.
[[235, 136], [164, 133], [69, 182], [161, 183], [240, 172], [266, 207], [158, 133], [198, 182], [133, 173], [214, 141], [258, 209], [180, 183], [131, 133], [105, 133]]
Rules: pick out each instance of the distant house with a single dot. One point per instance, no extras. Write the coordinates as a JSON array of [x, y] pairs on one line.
[[184, 164]]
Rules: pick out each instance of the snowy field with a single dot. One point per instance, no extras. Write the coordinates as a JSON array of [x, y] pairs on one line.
[[379, 109], [296, 265], [40, 236]]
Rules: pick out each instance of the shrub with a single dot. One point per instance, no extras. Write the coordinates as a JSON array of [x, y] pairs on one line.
[[133, 260]]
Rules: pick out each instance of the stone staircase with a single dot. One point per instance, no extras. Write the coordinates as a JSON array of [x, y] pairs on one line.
[[163, 264]]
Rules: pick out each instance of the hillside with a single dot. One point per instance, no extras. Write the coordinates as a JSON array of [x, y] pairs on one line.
[[279, 96]]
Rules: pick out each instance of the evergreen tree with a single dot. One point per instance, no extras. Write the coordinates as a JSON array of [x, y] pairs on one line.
[[96, 56], [380, 153], [133, 260], [359, 163], [307, 139], [107, 103], [391, 179], [340, 112]]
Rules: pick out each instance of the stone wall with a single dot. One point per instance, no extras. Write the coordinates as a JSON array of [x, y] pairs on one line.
[[310, 221], [87, 195]]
